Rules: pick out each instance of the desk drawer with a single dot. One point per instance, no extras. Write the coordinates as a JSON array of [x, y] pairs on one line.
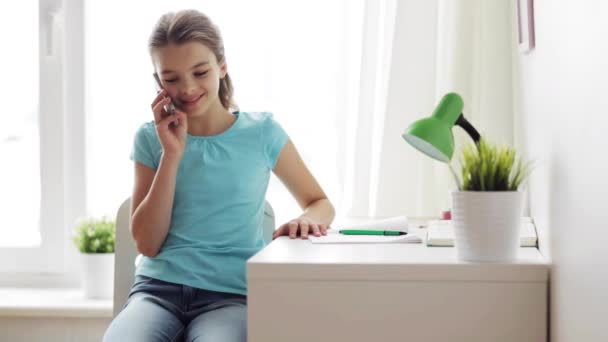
[[396, 311]]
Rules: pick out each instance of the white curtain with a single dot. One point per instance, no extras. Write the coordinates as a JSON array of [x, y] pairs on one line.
[[437, 47], [387, 175], [474, 60]]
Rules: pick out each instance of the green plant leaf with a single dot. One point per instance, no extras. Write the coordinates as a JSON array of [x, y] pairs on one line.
[[95, 235], [486, 167]]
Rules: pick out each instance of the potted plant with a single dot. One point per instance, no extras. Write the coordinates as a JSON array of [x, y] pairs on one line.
[[487, 208], [95, 239]]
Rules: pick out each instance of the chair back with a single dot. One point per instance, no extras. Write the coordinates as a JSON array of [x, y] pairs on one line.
[[126, 256]]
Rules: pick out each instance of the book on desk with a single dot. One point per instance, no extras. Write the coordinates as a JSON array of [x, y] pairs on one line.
[[441, 234]]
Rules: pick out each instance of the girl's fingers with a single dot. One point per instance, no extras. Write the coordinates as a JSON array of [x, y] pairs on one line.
[[293, 229], [159, 96], [304, 228], [183, 119], [279, 232], [173, 120], [158, 109], [316, 231], [323, 229]]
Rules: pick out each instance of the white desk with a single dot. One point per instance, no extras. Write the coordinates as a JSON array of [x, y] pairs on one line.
[[298, 291]]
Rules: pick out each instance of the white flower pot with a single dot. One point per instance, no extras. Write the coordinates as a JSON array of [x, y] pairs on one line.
[[98, 275], [487, 224]]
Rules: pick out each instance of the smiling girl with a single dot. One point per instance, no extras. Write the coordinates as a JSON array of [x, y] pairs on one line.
[[201, 176]]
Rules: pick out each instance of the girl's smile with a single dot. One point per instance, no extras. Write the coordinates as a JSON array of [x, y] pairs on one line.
[[192, 104]]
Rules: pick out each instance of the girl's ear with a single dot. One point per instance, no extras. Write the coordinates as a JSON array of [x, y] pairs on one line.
[[223, 70]]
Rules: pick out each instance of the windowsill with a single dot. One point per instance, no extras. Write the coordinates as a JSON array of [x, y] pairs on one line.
[[57, 302]]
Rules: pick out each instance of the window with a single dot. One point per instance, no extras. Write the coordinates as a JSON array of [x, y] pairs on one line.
[[19, 133], [42, 170]]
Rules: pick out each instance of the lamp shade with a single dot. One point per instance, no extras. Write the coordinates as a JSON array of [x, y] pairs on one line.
[[433, 136]]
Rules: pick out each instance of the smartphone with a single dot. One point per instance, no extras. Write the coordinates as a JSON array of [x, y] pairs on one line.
[[170, 107]]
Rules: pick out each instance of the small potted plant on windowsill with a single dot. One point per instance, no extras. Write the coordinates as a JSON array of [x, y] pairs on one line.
[[95, 240], [487, 208]]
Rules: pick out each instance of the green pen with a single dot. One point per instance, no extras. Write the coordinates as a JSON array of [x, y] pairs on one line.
[[371, 232]]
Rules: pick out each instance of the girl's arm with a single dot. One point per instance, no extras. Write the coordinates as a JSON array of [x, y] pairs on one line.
[[152, 203], [154, 191], [318, 210]]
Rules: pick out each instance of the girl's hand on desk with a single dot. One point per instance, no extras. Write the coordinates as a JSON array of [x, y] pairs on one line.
[[301, 226]]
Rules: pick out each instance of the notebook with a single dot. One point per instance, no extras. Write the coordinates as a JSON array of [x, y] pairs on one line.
[[392, 223], [440, 233]]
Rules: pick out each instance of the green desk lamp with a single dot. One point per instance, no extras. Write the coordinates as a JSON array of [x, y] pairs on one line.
[[433, 136]]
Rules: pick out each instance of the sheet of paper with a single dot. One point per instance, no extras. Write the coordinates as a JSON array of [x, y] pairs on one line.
[[391, 223]]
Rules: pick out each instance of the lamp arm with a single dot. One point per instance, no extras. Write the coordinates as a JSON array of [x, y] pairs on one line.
[[462, 122]]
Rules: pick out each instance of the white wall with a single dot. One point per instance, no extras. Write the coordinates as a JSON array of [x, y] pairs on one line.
[[561, 93]]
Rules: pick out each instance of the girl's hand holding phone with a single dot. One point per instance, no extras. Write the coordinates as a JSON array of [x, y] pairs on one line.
[[172, 129]]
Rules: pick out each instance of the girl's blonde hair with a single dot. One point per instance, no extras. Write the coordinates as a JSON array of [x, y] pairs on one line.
[[188, 26]]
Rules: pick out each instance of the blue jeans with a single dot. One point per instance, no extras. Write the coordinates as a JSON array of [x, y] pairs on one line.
[[161, 311]]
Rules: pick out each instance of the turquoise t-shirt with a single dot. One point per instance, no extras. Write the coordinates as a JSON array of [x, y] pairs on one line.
[[218, 209]]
